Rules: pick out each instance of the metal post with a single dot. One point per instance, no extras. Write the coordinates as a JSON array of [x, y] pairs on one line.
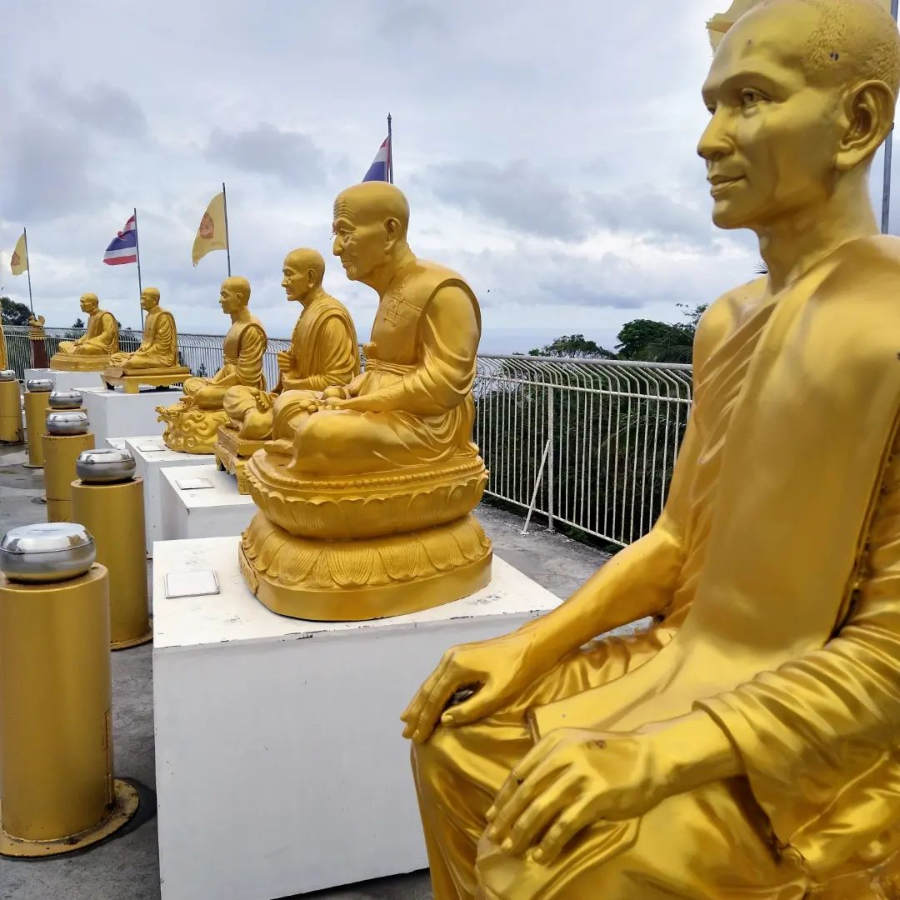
[[137, 253], [227, 238], [551, 478], [390, 159], [28, 269], [888, 161]]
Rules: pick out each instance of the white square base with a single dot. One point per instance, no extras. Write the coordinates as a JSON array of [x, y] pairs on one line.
[[67, 381], [217, 511], [148, 465], [114, 413], [280, 764]]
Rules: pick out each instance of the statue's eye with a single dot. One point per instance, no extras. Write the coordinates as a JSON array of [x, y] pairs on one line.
[[750, 97]]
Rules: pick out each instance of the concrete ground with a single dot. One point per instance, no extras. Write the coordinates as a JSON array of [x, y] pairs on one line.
[[127, 867]]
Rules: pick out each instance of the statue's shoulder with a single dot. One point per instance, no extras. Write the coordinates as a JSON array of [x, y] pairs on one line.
[[327, 305], [428, 277], [867, 269], [724, 313]]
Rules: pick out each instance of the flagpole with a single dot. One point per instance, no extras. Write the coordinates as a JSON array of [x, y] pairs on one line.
[[888, 160], [137, 253], [227, 238], [28, 270], [390, 172]]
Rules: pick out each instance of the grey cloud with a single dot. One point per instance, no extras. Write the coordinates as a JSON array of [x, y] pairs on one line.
[[48, 173], [516, 195], [99, 107], [288, 155]]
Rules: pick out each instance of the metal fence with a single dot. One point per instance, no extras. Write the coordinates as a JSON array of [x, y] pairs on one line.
[[587, 443]]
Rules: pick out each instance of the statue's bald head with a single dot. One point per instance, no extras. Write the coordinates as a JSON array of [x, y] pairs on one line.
[[835, 42], [373, 201], [151, 293], [238, 286], [305, 259]]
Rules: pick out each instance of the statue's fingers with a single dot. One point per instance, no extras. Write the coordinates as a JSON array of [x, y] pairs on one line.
[[411, 713], [516, 795], [482, 703], [533, 822], [571, 822], [441, 692]]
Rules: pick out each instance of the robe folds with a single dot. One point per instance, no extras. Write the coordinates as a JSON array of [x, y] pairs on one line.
[[777, 563], [159, 346], [324, 348]]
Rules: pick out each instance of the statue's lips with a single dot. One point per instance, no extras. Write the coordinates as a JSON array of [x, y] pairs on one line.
[[720, 184]]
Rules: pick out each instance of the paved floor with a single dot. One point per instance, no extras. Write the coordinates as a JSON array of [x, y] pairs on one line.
[[127, 868]]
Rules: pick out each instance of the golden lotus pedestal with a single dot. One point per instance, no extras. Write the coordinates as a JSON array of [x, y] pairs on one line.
[[233, 453], [365, 546], [70, 362], [131, 382]]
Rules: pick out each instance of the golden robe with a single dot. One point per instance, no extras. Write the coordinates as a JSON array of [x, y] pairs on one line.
[[159, 346], [323, 348], [243, 348], [419, 374], [100, 339], [777, 560]]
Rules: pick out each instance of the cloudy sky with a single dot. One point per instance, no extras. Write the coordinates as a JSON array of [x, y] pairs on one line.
[[547, 150]]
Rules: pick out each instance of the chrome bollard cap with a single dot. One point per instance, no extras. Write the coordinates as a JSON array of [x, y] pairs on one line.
[[39, 385], [68, 422], [7, 375], [65, 399], [106, 465], [50, 551]]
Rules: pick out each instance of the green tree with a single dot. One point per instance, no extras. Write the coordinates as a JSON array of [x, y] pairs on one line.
[[78, 323], [573, 346], [647, 340], [14, 313]]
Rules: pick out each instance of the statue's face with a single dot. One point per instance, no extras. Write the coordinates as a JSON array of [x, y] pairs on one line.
[[360, 243], [295, 281], [771, 143], [148, 301], [230, 300], [88, 303]]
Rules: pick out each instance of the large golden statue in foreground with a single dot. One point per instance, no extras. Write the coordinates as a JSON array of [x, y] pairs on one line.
[[155, 362], [192, 423], [323, 353], [746, 745], [91, 352], [366, 494]]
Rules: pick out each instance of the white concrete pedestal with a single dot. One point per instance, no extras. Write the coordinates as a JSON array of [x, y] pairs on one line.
[[67, 381], [151, 455], [114, 413], [217, 511], [280, 766]]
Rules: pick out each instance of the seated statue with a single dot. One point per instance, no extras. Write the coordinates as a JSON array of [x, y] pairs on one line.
[[91, 352], [366, 492], [192, 423], [155, 362], [747, 744], [323, 353]]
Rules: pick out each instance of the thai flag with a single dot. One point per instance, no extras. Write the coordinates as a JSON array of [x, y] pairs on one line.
[[123, 247], [380, 170]]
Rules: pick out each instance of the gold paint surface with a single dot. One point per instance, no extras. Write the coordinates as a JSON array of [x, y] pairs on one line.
[[114, 515], [55, 700], [36, 406], [10, 412], [92, 351], [60, 453], [744, 743], [191, 423], [366, 488]]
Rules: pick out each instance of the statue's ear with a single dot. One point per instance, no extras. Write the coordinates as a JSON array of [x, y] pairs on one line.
[[868, 116], [392, 232]]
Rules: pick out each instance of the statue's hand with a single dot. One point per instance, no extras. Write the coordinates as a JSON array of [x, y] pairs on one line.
[[477, 679], [572, 779]]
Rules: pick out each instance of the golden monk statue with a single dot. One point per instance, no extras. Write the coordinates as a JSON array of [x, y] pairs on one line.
[[746, 744], [192, 423], [366, 494], [91, 352], [323, 353], [155, 362]]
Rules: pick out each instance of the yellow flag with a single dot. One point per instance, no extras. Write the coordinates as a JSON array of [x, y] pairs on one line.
[[19, 261], [211, 235]]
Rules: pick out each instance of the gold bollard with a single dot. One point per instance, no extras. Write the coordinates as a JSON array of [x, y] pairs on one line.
[[56, 783], [114, 515], [60, 453], [10, 413], [36, 405]]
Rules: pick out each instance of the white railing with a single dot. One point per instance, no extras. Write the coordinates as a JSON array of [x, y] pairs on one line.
[[585, 443]]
